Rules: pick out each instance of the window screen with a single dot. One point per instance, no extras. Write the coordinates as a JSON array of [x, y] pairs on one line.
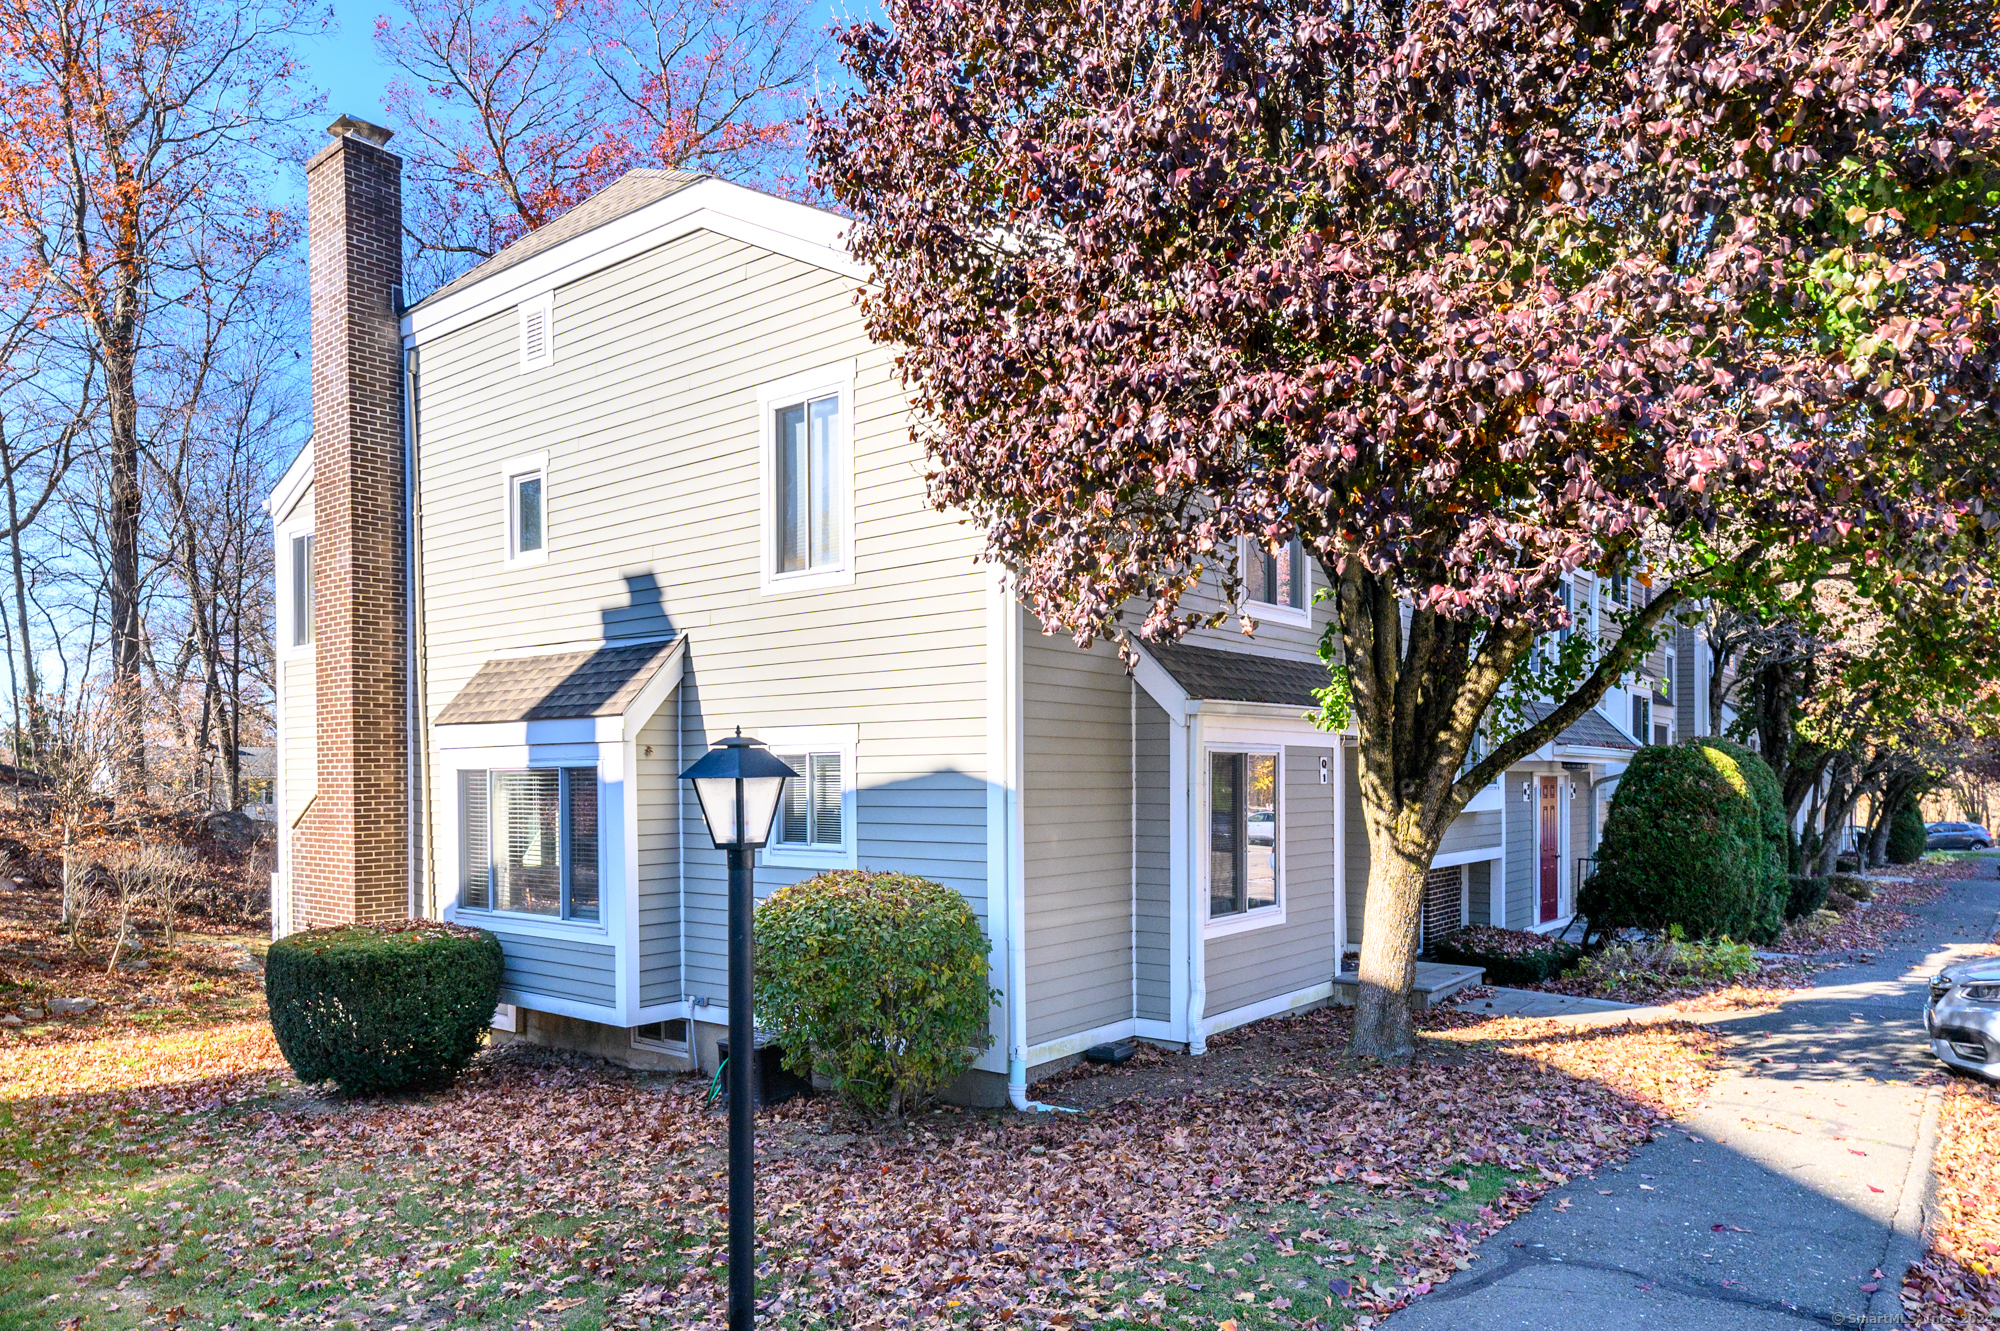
[[1243, 832], [810, 815], [808, 471], [302, 590]]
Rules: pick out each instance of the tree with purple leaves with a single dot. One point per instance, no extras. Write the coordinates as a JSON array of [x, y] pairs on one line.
[[1467, 295]]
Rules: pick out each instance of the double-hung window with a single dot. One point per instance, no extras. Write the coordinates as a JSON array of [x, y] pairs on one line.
[[1642, 712], [529, 841], [808, 480], [1276, 579], [302, 590], [1243, 834]]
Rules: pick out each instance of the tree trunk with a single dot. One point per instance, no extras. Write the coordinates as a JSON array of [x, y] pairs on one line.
[[1382, 1022], [34, 737], [122, 513]]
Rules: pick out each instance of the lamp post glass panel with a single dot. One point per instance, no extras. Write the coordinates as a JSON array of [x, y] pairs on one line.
[[739, 783]]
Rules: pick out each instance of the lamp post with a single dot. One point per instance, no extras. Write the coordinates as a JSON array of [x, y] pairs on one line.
[[739, 783]]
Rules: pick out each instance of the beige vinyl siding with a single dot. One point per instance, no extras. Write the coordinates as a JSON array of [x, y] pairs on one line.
[[1479, 892], [1076, 820], [650, 421], [1154, 870], [659, 861], [1273, 637], [1471, 831], [1522, 811], [1248, 967], [1356, 833]]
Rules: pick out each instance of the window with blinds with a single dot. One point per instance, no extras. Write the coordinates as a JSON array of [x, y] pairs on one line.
[[302, 590], [810, 813], [1275, 579], [808, 481], [529, 841]]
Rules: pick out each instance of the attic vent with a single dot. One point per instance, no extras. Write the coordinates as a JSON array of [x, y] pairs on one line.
[[537, 340]]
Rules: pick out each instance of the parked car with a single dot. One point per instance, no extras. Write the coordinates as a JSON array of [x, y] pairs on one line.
[[1962, 1018], [1957, 836]]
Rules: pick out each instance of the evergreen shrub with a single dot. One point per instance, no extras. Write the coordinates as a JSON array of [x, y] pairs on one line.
[[382, 1007], [1906, 834], [1808, 894], [1686, 844], [875, 981]]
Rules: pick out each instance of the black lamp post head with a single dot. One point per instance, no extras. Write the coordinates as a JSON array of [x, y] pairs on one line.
[[739, 783]]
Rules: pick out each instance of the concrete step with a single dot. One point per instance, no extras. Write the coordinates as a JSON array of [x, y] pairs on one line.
[[1435, 982]]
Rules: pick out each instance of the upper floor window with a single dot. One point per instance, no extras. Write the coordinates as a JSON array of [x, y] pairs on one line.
[[808, 480], [1278, 579], [1242, 833], [527, 491], [538, 347], [808, 466], [529, 839], [302, 590], [1642, 713], [1667, 680]]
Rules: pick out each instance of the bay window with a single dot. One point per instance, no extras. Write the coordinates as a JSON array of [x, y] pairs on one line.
[[529, 841]]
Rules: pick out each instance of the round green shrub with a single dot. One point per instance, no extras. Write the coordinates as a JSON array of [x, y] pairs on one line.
[[876, 981], [382, 1007], [1684, 844], [1906, 834], [1771, 910], [1807, 895]]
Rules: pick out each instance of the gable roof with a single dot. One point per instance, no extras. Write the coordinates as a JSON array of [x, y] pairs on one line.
[[562, 687], [1592, 730], [1220, 676], [629, 193]]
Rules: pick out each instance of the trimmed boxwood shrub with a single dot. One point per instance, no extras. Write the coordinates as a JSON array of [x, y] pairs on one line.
[[1779, 842], [875, 981], [1684, 844], [1906, 834], [382, 1007], [1808, 894], [1510, 956]]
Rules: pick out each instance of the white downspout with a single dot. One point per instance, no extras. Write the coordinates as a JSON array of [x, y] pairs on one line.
[[1017, 902]]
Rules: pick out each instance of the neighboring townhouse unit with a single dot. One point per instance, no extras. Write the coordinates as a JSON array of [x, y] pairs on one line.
[[640, 479]]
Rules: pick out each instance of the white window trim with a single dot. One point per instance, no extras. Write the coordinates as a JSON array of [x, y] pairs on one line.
[[1264, 917], [544, 305], [842, 740], [1271, 611], [836, 380], [287, 649], [514, 469]]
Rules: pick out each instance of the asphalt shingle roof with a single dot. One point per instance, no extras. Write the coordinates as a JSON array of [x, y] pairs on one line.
[[1213, 674], [566, 686], [1592, 730], [629, 193]]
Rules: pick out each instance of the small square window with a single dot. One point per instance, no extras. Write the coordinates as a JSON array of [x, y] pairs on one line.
[[1278, 579], [810, 815], [302, 590]]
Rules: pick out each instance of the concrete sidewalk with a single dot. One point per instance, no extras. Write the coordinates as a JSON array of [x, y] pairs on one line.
[[1803, 1174]]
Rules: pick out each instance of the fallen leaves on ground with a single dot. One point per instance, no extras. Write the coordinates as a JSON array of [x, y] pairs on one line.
[[540, 1179], [1957, 1284]]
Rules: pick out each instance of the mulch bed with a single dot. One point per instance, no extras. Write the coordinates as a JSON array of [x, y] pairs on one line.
[[957, 1216]]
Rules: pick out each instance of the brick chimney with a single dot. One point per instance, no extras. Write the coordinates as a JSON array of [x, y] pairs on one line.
[[351, 851]]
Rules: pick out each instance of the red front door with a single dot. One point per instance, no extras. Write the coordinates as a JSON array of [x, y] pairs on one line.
[[1551, 861]]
